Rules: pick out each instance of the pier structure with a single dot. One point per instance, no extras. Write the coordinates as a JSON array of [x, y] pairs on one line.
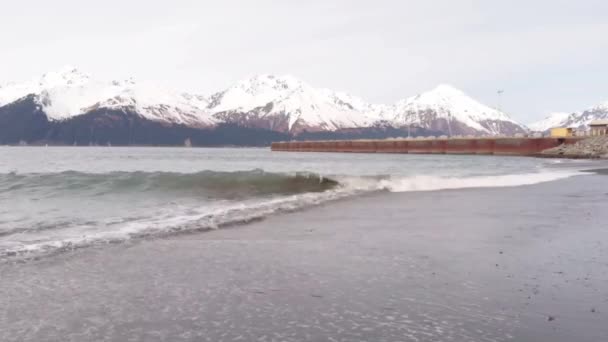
[[523, 146]]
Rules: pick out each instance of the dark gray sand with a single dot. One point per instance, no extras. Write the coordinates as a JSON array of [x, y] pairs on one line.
[[522, 264]]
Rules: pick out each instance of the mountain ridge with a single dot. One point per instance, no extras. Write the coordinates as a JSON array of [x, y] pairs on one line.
[[282, 104], [579, 120], [445, 104]]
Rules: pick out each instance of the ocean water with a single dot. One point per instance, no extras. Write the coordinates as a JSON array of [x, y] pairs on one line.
[[58, 198]]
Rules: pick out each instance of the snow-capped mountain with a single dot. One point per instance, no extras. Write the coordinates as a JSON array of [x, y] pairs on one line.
[[288, 104], [552, 120], [579, 120], [70, 106], [68, 93], [450, 110], [66, 77]]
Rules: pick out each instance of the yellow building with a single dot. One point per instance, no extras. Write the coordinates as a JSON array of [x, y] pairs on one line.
[[562, 132]]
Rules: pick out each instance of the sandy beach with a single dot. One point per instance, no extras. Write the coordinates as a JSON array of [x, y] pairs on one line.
[[304, 171], [523, 264]]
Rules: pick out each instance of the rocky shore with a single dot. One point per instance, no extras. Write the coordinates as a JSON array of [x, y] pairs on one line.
[[594, 147]]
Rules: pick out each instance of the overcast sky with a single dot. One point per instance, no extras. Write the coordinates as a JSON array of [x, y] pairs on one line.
[[547, 55]]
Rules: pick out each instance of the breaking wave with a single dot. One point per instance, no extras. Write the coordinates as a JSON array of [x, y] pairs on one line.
[[232, 198], [211, 184], [174, 224], [432, 183]]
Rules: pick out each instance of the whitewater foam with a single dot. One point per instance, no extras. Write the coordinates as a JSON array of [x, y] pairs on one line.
[[431, 183], [177, 220], [183, 222]]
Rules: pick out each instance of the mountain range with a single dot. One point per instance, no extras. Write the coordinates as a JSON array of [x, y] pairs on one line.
[[579, 120], [70, 107]]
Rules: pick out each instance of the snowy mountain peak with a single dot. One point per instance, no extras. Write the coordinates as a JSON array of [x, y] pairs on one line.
[[600, 107], [67, 75], [129, 82], [280, 103], [293, 103], [446, 106], [265, 82], [68, 92], [578, 120], [445, 89], [255, 92], [346, 100], [556, 119], [449, 97]]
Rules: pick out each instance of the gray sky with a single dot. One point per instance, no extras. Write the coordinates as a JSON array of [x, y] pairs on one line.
[[548, 55]]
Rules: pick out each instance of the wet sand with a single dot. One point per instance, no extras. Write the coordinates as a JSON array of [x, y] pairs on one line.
[[497, 264]]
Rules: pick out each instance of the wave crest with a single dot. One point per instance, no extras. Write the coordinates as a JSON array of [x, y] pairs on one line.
[[212, 184], [432, 183], [286, 193]]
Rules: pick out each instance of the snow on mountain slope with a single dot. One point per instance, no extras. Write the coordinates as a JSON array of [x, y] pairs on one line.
[[68, 93], [552, 120], [579, 120], [452, 108], [150, 101], [283, 104], [254, 92], [66, 76], [293, 102]]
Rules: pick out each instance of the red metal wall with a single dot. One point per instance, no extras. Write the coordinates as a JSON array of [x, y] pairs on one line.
[[497, 146]]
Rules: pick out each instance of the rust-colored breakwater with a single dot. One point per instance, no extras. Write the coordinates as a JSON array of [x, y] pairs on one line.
[[485, 145]]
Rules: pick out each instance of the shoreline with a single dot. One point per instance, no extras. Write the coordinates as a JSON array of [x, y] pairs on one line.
[[428, 265], [591, 148], [265, 210], [541, 155]]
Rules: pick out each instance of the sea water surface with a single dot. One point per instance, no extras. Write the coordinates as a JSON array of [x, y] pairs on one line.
[[55, 198]]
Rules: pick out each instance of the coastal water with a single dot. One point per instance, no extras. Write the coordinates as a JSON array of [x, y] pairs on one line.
[[55, 198], [372, 249]]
